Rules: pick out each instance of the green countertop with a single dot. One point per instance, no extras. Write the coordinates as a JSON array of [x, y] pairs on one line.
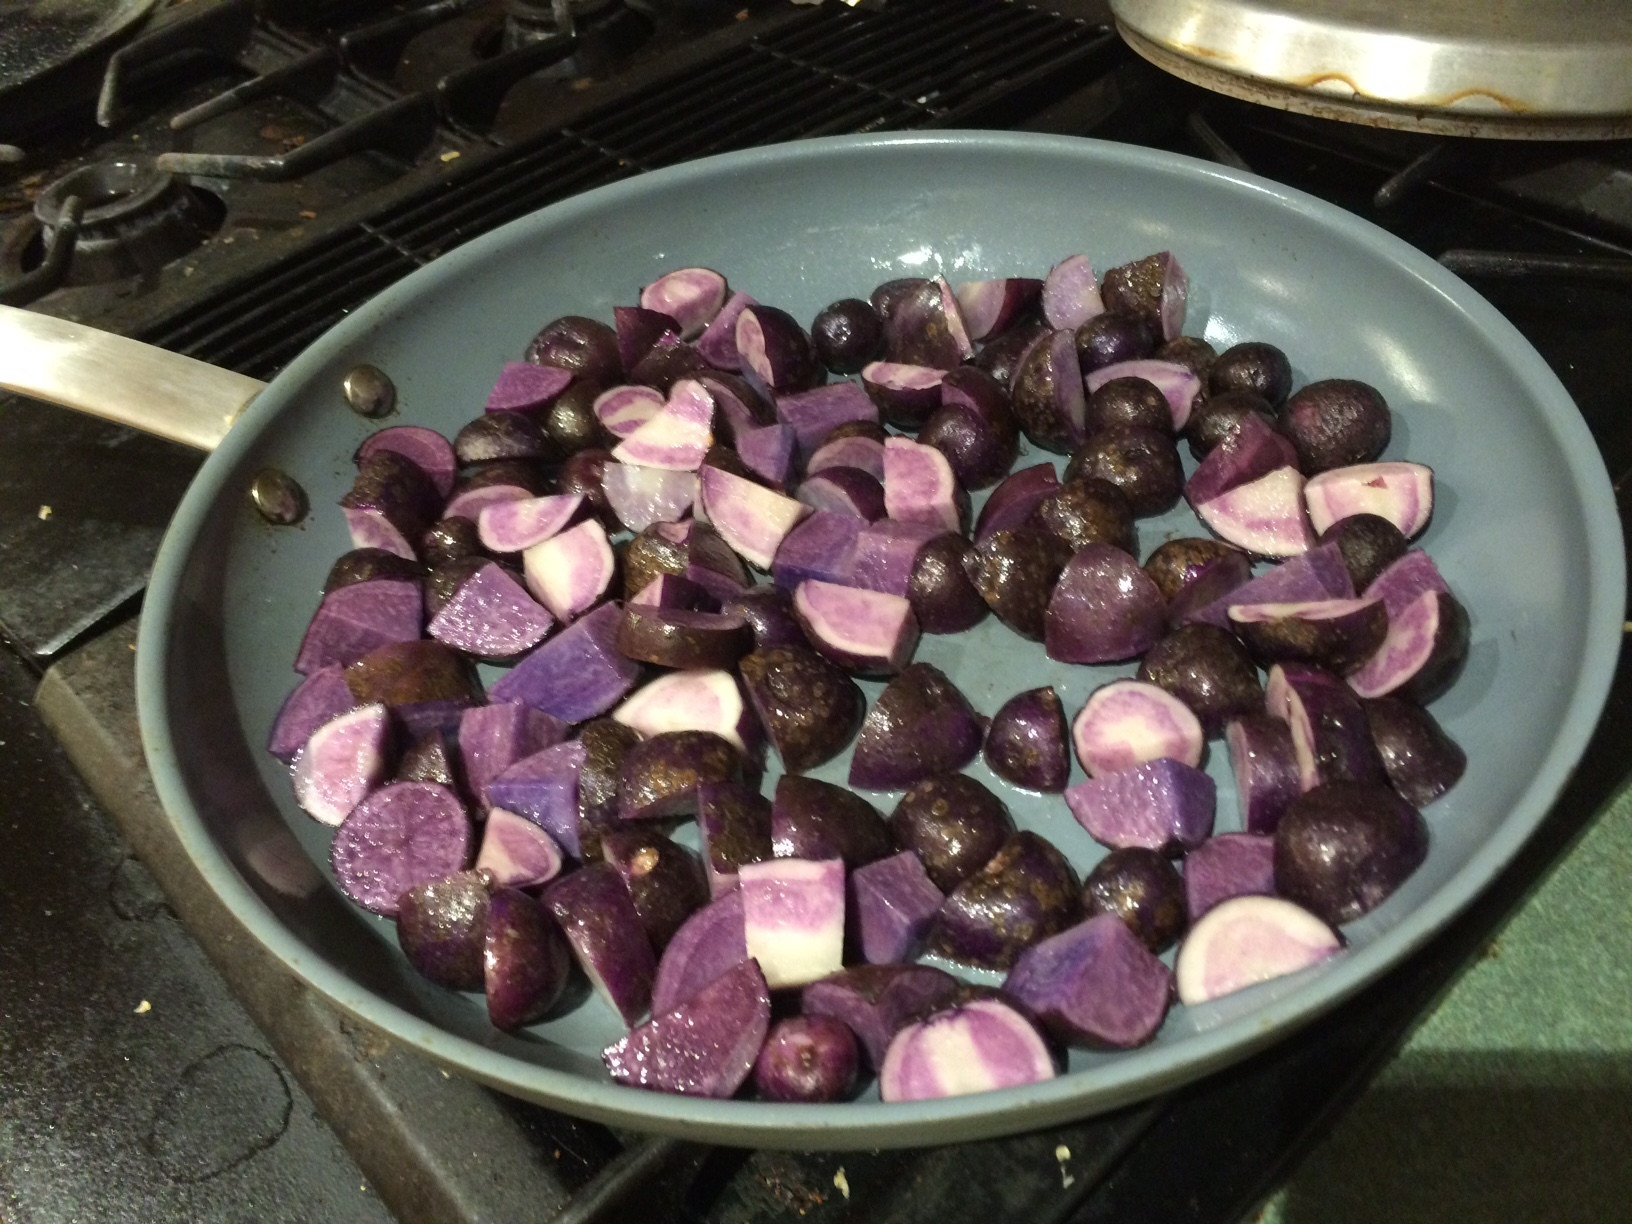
[[1512, 1100]]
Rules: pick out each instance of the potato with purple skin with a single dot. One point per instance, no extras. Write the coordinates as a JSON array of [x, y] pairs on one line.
[[1026, 743], [1335, 423], [809, 708], [441, 925], [811, 819], [1026, 892], [587, 347], [1421, 760], [1142, 462], [1252, 366], [920, 725], [1343, 848], [943, 598], [659, 776], [954, 824], [1088, 511], [1094, 985], [807, 1058], [1015, 571], [1175, 564], [665, 880], [877, 1001], [525, 958], [1142, 888], [1209, 670], [704, 1047]]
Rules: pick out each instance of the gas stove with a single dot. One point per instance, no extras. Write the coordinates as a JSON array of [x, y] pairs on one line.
[[228, 179]]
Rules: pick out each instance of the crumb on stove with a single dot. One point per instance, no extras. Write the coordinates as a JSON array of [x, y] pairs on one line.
[[143, 1008], [45, 513], [842, 1182]]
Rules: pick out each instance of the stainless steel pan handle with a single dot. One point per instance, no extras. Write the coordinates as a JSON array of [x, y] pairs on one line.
[[123, 380]]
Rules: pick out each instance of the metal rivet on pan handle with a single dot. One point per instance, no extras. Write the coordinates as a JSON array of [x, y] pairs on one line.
[[278, 497], [369, 392]]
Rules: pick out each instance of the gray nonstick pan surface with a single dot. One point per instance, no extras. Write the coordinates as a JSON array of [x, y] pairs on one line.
[[1524, 530]]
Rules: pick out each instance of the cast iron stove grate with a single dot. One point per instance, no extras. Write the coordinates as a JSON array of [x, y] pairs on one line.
[[952, 63]]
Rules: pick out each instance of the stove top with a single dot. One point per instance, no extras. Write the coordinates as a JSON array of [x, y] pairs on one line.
[[269, 167]]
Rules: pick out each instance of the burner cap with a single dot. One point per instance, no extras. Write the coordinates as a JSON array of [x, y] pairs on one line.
[[136, 219]]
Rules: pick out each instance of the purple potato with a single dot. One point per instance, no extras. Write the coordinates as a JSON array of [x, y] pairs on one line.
[[608, 939], [544, 788], [811, 819], [570, 424], [1015, 571], [667, 364], [991, 307], [822, 547], [393, 491], [776, 348], [809, 708], [689, 296], [1088, 511], [1209, 670], [1400, 491], [1423, 652], [893, 903], [496, 481], [868, 633], [1254, 450], [1048, 395], [925, 327], [1368, 543], [1192, 352], [887, 297], [441, 927], [449, 539], [704, 1047], [979, 452], [1002, 356], [1335, 423], [920, 725], [906, 395], [430, 758], [1175, 564], [942, 596], [366, 564], [1155, 288], [401, 835], [1247, 940], [954, 824], [1128, 400], [640, 330], [1252, 366], [844, 490], [1103, 608], [1161, 804], [807, 1058], [708, 943], [1328, 723], [501, 435], [1337, 634], [526, 960], [1024, 893], [847, 335], [605, 743], [659, 776], [1112, 337], [1095, 985], [341, 762], [920, 486], [354, 620], [491, 616], [1218, 416], [677, 637], [1015, 500], [1026, 743], [1264, 763], [768, 611], [1343, 848], [516, 853], [402, 674], [734, 827], [1128, 722], [793, 918], [587, 347], [877, 1001], [317, 699], [582, 473], [1421, 760], [1143, 463], [665, 880], [1265, 517], [1228, 865], [1142, 888], [995, 1047]]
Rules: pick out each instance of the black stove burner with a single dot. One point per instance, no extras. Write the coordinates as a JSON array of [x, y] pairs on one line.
[[135, 219]]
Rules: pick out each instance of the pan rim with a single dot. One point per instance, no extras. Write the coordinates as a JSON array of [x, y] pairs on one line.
[[1133, 1075]]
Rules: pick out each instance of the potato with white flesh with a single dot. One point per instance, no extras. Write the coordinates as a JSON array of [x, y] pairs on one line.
[[793, 918], [582, 756]]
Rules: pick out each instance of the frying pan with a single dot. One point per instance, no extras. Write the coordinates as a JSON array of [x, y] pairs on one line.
[[1525, 530]]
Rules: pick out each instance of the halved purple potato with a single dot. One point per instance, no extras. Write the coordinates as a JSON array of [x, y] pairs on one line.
[[808, 707], [1071, 293], [733, 827], [575, 675], [769, 613], [718, 343], [690, 549], [741, 405], [427, 448], [364, 564], [1253, 450], [793, 918], [1337, 634], [1015, 571], [1024, 893], [677, 637], [995, 1047], [919, 486], [978, 452], [1255, 366], [1094, 985], [1026, 743], [1192, 352], [431, 758], [1180, 391], [768, 452], [1088, 511], [318, 698], [523, 386], [942, 597], [1140, 886], [1155, 288], [1112, 337], [441, 926], [1336, 422], [354, 619], [1103, 608], [491, 616], [1127, 399], [512, 526], [894, 904], [1048, 395], [1215, 418], [1247, 940], [640, 496], [668, 362], [665, 880], [1205, 597], [811, 819], [607, 938], [920, 725], [1406, 579], [399, 836], [1317, 574], [1423, 652], [1142, 463], [1264, 517], [495, 736], [708, 944], [570, 424], [690, 296], [752, 519], [424, 684], [1127, 722], [516, 853], [868, 633], [876, 1001], [582, 473], [1228, 865], [906, 395], [1015, 500], [659, 776], [543, 787], [1207, 669], [822, 547], [700, 699], [1400, 492], [1368, 544], [887, 553], [510, 480], [1342, 848], [1264, 763], [390, 503], [1328, 724], [773, 345], [1002, 356], [1161, 804], [570, 571], [849, 451], [640, 331], [809, 1059], [1421, 760], [587, 347], [847, 334], [954, 824], [990, 307], [500, 435], [678, 435], [705, 1046], [925, 327], [525, 958]]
